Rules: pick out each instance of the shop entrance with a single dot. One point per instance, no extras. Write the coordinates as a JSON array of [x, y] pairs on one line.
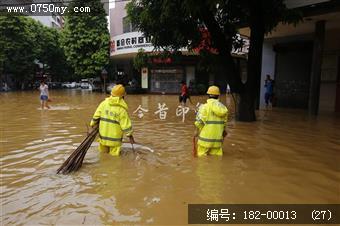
[[292, 76], [166, 80]]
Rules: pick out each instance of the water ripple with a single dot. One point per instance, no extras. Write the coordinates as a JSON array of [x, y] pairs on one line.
[[284, 157]]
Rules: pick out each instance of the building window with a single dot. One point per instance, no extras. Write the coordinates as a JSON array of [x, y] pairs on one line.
[[127, 26]]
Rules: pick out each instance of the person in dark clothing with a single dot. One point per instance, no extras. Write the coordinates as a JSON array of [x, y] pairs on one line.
[[268, 96]]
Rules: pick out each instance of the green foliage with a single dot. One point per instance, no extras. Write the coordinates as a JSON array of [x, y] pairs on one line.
[[178, 23], [85, 39], [275, 11], [17, 44], [49, 51], [140, 60], [25, 41], [167, 22], [55, 58], [111, 70]]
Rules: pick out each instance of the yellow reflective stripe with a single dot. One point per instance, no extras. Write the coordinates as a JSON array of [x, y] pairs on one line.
[[209, 140], [109, 120], [110, 138], [128, 129], [214, 122]]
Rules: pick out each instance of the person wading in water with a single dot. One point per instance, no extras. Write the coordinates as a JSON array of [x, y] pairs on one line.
[[114, 121], [184, 94], [211, 123], [44, 95]]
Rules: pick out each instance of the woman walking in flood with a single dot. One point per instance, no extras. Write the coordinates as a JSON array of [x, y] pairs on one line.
[[44, 95]]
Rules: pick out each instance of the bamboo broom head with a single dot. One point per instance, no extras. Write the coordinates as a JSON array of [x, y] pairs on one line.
[[75, 160]]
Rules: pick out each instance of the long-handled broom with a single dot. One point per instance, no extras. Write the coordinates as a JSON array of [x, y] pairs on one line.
[[75, 160]]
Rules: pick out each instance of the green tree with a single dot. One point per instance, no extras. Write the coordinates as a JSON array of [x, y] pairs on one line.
[[85, 39], [111, 70], [58, 66], [140, 60], [179, 23], [49, 51], [24, 42], [262, 17], [53, 55], [17, 46]]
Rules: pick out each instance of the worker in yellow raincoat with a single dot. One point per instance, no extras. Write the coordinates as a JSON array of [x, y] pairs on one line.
[[114, 121], [211, 122]]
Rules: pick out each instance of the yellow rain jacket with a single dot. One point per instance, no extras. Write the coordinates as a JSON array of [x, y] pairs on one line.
[[113, 120], [211, 120]]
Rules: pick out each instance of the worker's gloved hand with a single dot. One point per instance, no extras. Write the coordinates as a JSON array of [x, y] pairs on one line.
[[132, 140]]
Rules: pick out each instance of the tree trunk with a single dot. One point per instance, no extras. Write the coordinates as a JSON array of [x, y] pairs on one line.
[[246, 107], [249, 91], [249, 97], [231, 73]]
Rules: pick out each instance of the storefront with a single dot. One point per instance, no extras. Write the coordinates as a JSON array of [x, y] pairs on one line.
[[164, 75], [166, 80], [304, 60]]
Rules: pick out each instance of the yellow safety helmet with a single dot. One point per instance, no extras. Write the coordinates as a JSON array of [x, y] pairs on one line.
[[118, 91], [214, 90]]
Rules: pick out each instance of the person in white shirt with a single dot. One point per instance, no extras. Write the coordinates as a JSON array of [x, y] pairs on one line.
[[44, 95], [228, 89]]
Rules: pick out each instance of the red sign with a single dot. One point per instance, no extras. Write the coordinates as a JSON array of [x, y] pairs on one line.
[[167, 60]]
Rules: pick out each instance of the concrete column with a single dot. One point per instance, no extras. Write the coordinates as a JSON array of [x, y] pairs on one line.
[[314, 91]]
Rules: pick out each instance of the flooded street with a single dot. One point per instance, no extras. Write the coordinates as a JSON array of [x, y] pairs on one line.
[[284, 157]]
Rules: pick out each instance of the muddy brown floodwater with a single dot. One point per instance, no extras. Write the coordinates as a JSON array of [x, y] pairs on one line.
[[284, 157]]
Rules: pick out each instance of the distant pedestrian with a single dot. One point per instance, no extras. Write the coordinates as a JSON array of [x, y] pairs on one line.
[[268, 96], [44, 95], [228, 89], [184, 93]]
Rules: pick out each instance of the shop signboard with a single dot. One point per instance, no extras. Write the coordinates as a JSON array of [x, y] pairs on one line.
[[130, 43]]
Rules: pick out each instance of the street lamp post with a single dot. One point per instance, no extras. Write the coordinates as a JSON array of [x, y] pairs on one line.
[[104, 76]]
